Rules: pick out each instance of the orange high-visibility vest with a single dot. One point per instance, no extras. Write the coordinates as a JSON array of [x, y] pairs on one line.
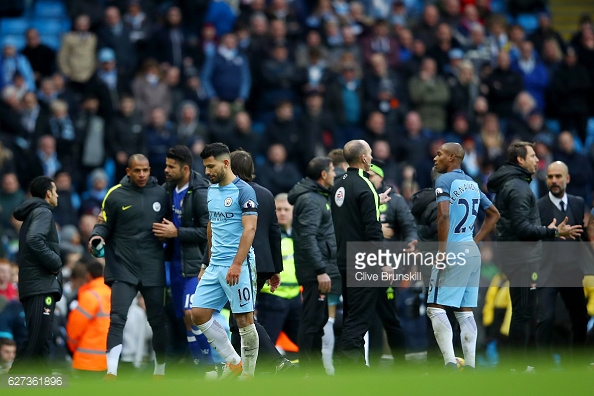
[[88, 325]]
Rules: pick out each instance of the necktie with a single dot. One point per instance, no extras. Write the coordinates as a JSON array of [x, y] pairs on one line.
[[562, 204]]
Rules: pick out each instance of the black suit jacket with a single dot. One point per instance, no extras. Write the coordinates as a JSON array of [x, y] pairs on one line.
[[267, 241], [585, 263]]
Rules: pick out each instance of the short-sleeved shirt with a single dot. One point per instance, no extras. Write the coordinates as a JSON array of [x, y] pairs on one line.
[[226, 207], [465, 199]]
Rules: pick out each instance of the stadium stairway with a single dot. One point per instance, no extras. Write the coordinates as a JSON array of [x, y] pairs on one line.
[[566, 14]]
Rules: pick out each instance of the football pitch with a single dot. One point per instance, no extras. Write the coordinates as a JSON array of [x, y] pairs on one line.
[[409, 379]]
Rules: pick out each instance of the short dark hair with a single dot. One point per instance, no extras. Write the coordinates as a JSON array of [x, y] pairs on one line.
[[180, 154], [353, 151], [214, 150], [337, 157], [316, 166], [517, 149], [7, 341], [40, 186], [242, 165], [95, 269]]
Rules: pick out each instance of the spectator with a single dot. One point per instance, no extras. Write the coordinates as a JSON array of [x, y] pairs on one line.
[[376, 129], [41, 57], [277, 174], [150, 91], [533, 72], [570, 89], [170, 43], [303, 51], [34, 120], [76, 57], [585, 53], [551, 57], [125, 133], [464, 89], [116, 35], [284, 129], [47, 155], [349, 45], [412, 149], [578, 164], [221, 125], [226, 75], [318, 128], [545, 32], [139, 26], [172, 79], [11, 196], [491, 141], [196, 93], [479, 49], [243, 136], [450, 13], [63, 130], [380, 42], [405, 39], [67, 212], [426, 30], [429, 95], [46, 92], [189, 129], [7, 289], [108, 83], [159, 135], [63, 92], [92, 198], [13, 63], [8, 348], [92, 135], [280, 79], [502, 86], [12, 321], [345, 101], [70, 243], [468, 21], [440, 51]]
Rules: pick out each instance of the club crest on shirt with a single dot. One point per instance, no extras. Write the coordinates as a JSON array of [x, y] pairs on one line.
[[228, 202], [156, 206]]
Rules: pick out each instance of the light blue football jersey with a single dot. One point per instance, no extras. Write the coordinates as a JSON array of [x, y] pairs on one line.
[[465, 199], [226, 207]]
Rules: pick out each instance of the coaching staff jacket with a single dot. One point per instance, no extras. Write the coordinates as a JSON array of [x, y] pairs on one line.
[[133, 254], [355, 211], [267, 241], [313, 233], [520, 219], [194, 220], [40, 266]]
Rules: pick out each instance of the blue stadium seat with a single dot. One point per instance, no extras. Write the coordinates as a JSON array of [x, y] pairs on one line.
[[19, 40], [48, 26], [50, 9], [553, 125], [498, 6], [13, 26], [51, 40], [528, 21]]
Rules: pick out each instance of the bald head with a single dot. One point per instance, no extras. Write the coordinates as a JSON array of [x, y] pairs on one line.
[[449, 157], [358, 154], [136, 158], [456, 149], [557, 178]]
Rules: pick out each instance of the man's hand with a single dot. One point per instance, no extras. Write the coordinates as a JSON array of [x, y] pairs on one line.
[[100, 218], [412, 246], [387, 231], [274, 282], [384, 197], [165, 229], [233, 275], [324, 283], [388, 269], [200, 274], [90, 245], [565, 230]]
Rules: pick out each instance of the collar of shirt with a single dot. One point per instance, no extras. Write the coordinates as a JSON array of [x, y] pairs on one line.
[[184, 187], [556, 200]]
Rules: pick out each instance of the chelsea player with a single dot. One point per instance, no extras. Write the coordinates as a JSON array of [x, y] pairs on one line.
[[231, 273], [186, 243], [455, 275]]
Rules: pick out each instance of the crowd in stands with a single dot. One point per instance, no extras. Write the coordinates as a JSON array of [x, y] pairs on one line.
[[287, 81]]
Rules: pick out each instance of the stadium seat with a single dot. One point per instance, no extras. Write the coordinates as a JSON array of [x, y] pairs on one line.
[[528, 21], [13, 26], [19, 40], [50, 9], [48, 26], [51, 40]]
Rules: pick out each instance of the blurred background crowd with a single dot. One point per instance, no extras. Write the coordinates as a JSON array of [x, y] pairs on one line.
[[86, 83]]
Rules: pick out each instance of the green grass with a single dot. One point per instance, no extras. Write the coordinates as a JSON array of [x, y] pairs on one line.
[[407, 379]]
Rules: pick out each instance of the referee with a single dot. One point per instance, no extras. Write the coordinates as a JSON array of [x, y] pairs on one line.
[[356, 217]]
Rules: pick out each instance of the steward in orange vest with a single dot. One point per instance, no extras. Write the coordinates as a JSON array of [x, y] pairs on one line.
[[88, 323]]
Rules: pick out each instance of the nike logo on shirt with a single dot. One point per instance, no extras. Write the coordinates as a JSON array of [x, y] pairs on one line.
[[126, 207]]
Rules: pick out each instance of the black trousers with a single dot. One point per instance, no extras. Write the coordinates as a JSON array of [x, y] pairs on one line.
[[278, 314], [523, 300], [33, 356], [314, 316], [575, 302], [122, 295], [267, 354], [387, 318], [357, 318]]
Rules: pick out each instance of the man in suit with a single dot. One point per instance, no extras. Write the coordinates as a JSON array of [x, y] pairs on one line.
[[564, 265]]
